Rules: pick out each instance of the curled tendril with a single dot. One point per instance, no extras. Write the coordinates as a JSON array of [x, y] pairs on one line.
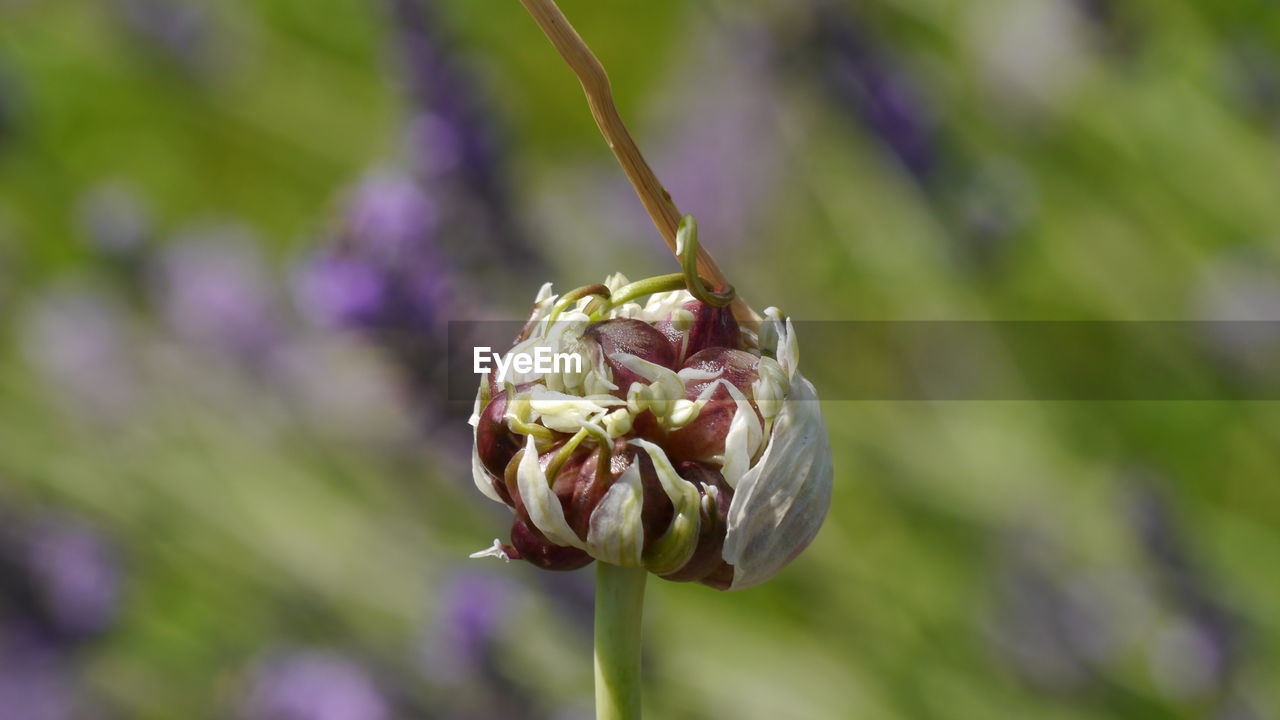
[[687, 279], [641, 288], [687, 247]]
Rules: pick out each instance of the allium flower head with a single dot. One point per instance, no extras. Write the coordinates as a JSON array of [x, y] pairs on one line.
[[682, 442]]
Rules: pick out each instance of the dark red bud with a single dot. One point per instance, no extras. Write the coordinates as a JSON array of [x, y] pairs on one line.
[[495, 442], [535, 548], [721, 578], [563, 485], [658, 509], [712, 327], [580, 490], [707, 561], [703, 438], [590, 485], [628, 335], [737, 366], [588, 489]]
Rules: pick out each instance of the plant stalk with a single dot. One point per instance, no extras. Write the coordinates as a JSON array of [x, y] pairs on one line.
[[595, 83], [619, 608]]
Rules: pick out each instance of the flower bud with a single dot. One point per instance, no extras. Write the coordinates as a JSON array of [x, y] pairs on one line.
[[685, 445], [612, 338], [697, 326], [717, 370]]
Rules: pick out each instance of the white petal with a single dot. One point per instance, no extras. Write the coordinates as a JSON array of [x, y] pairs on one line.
[[474, 420], [661, 305], [481, 478], [770, 388], [616, 281], [743, 439], [597, 382], [770, 329], [789, 351], [627, 310], [518, 407], [616, 532], [694, 374], [780, 503], [665, 387], [778, 336], [681, 320], [544, 507], [684, 412], [673, 549], [478, 474], [495, 551], [562, 412], [653, 372], [618, 423]]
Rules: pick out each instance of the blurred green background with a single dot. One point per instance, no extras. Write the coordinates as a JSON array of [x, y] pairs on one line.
[[231, 232]]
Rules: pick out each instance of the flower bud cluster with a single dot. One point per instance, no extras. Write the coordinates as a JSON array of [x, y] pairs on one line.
[[681, 443]]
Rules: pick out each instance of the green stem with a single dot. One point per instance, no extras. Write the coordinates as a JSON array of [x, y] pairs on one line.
[[648, 286], [574, 296], [619, 606]]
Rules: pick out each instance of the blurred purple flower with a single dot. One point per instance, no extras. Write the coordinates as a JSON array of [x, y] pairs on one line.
[[1057, 627], [343, 291], [71, 576], [443, 211], [77, 339], [868, 86], [179, 29], [214, 291], [438, 86], [1208, 637], [384, 273], [36, 681], [473, 607], [383, 277], [436, 145], [723, 153], [313, 685], [391, 217], [464, 646], [453, 143], [59, 587]]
